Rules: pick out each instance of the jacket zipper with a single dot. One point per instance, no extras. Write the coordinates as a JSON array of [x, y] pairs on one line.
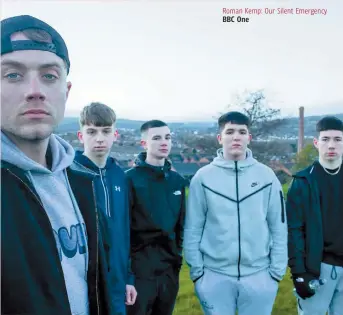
[[44, 212], [106, 193], [103, 184], [239, 224], [97, 241], [282, 207], [36, 197], [97, 251]]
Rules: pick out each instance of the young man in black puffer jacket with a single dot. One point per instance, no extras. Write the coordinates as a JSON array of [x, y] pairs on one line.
[[157, 218], [315, 217]]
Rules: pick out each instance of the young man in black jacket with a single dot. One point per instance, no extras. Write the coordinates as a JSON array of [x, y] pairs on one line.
[[157, 219], [56, 256], [97, 134], [315, 220]]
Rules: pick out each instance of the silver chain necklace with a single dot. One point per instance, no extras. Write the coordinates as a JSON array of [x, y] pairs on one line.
[[335, 173]]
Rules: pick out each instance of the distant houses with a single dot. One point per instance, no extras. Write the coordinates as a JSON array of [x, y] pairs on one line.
[[186, 165]]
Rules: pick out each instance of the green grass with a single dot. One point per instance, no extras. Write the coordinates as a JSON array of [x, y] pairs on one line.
[[187, 303]]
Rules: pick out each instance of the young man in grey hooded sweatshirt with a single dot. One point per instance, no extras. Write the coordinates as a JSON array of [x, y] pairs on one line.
[[235, 238], [56, 256]]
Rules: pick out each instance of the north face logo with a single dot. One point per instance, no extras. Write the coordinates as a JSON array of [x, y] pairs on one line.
[[254, 184]]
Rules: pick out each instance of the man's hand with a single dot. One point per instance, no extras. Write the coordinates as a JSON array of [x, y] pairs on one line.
[[301, 282], [131, 295]]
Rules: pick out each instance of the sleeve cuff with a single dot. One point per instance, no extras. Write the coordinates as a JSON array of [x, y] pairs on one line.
[[131, 279]]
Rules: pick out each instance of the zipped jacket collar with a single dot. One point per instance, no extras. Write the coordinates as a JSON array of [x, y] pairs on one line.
[[154, 171], [90, 165]]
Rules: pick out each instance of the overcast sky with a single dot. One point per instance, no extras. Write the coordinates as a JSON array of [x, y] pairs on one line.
[[177, 60]]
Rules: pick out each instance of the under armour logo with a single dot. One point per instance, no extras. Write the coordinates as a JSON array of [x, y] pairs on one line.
[[254, 184], [117, 188]]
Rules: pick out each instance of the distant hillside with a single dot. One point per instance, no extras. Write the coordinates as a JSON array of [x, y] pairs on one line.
[[71, 124], [290, 129]]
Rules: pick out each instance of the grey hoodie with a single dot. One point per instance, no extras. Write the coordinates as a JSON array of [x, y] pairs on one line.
[[235, 220], [61, 207]]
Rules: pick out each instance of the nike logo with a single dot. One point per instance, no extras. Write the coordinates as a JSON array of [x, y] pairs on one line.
[[177, 193]]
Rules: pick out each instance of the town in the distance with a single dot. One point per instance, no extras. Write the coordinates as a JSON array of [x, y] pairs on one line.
[[195, 143]]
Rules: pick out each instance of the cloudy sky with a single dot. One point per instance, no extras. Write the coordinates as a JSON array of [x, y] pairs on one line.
[[177, 60]]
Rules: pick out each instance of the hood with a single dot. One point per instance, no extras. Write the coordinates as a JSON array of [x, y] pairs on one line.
[[219, 161], [158, 170], [88, 163], [61, 151]]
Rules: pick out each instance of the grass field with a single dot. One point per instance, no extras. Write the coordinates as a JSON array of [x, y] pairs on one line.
[[187, 303]]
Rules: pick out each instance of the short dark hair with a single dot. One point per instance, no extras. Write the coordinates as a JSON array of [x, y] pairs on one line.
[[97, 114], [152, 124], [329, 123], [233, 118]]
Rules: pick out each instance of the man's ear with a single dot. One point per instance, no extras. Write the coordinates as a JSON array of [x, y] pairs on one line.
[[143, 143], [219, 138], [315, 142], [68, 89], [80, 136]]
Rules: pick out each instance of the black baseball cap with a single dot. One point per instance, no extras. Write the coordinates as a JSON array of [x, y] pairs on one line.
[[22, 22]]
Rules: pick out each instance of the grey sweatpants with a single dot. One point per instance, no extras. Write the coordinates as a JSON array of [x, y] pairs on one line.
[[329, 297], [223, 295]]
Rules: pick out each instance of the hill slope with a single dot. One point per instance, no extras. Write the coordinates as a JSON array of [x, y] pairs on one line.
[[290, 128]]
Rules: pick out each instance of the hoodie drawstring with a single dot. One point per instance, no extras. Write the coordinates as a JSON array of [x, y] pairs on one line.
[[333, 273]]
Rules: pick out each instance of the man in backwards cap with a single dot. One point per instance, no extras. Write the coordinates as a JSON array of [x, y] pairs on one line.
[[56, 248]]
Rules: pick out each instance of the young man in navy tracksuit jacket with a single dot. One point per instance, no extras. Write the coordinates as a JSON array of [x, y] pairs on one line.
[[110, 188]]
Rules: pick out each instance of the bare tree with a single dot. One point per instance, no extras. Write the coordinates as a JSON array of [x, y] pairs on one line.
[[278, 166], [264, 120], [277, 154]]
